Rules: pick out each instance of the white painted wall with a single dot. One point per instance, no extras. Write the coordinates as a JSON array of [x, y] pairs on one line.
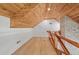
[[41, 29], [8, 40], [4, 22]]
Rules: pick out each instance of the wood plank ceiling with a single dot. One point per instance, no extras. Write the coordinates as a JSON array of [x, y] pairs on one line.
[[30, 14]]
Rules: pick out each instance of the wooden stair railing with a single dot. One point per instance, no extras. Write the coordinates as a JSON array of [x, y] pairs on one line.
[[60, 38], [52, 40], [76, 44], [62, 45]]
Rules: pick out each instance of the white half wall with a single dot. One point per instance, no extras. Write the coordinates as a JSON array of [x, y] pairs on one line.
[[41, 29], [13, 38]]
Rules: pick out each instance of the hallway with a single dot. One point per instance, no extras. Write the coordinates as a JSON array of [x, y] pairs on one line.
[[25, 28], [36, 46]]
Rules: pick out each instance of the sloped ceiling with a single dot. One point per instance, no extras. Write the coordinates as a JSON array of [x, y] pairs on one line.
[[30, 14]]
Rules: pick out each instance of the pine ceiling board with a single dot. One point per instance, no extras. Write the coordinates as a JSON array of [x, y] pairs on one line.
[[74, 12], [20, 5], [4, 12], [53, 13], [75, 16], [25, 6], [31, 14], [33, 17], [39, 11], [18, 15], [27, 19], [47, 13], [15, 7], [67, 9], [60, 10], [8, 7], [59, 6], [25, 10], [17, 24]]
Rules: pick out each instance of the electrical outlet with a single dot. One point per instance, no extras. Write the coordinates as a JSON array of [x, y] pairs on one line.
[[18, 42]]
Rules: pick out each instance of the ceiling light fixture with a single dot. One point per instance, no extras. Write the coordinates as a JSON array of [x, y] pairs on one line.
[[48, 9]]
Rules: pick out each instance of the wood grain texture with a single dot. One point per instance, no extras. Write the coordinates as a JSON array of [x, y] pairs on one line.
[[30, 14], [36, 46]]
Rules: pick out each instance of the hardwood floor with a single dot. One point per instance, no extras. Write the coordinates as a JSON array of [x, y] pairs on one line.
[[36, 46]]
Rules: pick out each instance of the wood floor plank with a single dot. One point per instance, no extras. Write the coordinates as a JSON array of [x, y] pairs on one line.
[[36, 46]]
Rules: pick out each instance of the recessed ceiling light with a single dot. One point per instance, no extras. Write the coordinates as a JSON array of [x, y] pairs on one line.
[[48, 9]]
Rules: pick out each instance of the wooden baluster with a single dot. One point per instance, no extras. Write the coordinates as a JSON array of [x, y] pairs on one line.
[[52, 40], [62, 44]]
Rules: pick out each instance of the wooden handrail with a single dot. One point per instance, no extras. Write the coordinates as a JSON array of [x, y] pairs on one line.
[[76, 44], [70, 41], [62, 44], [51, 38], [60, 38]]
